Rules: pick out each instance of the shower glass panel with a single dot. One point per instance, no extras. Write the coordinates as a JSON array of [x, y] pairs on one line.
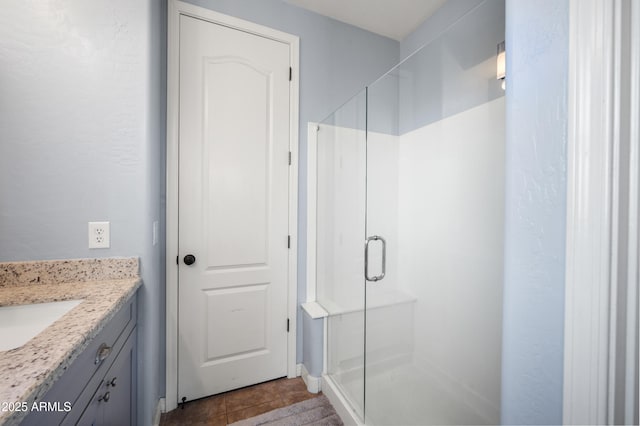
[[434, 225], [410, 200], [341, 182]]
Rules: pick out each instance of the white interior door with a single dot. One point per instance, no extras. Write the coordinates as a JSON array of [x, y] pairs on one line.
[[233, 208]]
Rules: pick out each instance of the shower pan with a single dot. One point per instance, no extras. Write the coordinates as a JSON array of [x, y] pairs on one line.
[[409, 232]]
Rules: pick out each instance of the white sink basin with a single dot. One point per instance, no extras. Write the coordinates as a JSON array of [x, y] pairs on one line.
[[21, 323]]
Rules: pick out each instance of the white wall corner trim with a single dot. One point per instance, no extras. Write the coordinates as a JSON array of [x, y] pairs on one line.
[[589, 199], [596, 115], [175, 9], [312, 192], [315, 310], [314, 384], [160, 408], [631, 406]]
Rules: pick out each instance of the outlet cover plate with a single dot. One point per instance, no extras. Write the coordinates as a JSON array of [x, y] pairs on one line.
[[99, 235]]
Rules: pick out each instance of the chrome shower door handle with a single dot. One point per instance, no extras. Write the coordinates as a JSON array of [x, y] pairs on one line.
[[366, 258]]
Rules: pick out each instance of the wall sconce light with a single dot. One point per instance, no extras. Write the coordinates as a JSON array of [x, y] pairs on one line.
[[501, 64]]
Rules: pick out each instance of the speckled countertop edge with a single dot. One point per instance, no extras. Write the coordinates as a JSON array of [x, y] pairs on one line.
[[15, 274], [28, 372]]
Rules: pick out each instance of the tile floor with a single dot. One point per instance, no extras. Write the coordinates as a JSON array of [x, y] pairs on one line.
[[239, 404]]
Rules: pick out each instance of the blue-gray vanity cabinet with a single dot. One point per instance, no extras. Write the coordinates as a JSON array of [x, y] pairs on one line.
[[111, 403], [110, 354]]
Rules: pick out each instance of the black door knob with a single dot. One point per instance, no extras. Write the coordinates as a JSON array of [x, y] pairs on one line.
[[189, 259]]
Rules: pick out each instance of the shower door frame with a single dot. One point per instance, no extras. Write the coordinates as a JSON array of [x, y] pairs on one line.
[[312, 307]]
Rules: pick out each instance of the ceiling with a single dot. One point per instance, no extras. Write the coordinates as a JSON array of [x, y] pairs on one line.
[[391, 18]]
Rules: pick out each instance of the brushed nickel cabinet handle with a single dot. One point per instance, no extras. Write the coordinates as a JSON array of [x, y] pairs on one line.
[[103, 352]]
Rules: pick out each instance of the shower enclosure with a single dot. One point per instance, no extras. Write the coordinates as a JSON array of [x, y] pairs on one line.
[[410, 188]]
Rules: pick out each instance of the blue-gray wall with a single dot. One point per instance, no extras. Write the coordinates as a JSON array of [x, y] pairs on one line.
[[456, 68], [313, 331], [82, 139], [448, 66], [536, 133], [435, 25]]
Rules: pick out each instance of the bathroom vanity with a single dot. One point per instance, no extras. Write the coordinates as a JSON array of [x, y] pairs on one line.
[[81, 369]]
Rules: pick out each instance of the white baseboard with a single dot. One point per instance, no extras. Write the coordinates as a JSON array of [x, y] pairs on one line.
[[298, 370], [160, 408], [314, 384]]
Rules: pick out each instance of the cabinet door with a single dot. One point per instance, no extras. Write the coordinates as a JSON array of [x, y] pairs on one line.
[[114, 401], [91, 414], [120, 383]]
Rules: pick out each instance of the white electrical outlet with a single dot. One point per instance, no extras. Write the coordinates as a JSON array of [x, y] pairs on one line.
[[99, 236]]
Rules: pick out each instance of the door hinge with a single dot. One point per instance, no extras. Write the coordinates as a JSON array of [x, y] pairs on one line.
[[287, 325], [288, 241], [290, 73], [178, 260], [289, 157]]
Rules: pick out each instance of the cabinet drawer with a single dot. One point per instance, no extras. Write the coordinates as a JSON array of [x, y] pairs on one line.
[[88, 369]]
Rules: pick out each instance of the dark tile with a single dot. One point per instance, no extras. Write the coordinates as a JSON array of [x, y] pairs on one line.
[[250, 396], [218, 421], [179, 416], [256, 410], [213, 406], [184, 420], [293, 397], [176, 417], [294, 390], [290, 385], [239, 404], [199, 411], [165, 420]]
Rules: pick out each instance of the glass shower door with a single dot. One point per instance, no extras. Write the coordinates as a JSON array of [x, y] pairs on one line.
[[434, 223], [391, 395], [341, 171]]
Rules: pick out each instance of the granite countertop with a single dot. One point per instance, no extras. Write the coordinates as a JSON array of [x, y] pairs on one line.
[[104, 285]]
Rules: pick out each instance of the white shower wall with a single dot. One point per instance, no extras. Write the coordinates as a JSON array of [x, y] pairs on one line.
[[450, 232]]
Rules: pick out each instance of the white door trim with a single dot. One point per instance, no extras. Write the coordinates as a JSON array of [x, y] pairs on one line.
[[589, 198], [594, 184], [312, 194], [177, 8]]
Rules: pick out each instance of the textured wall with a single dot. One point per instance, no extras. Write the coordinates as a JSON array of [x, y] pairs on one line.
[[82, 139], [536, 114], [431, 28], [72, 116]]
